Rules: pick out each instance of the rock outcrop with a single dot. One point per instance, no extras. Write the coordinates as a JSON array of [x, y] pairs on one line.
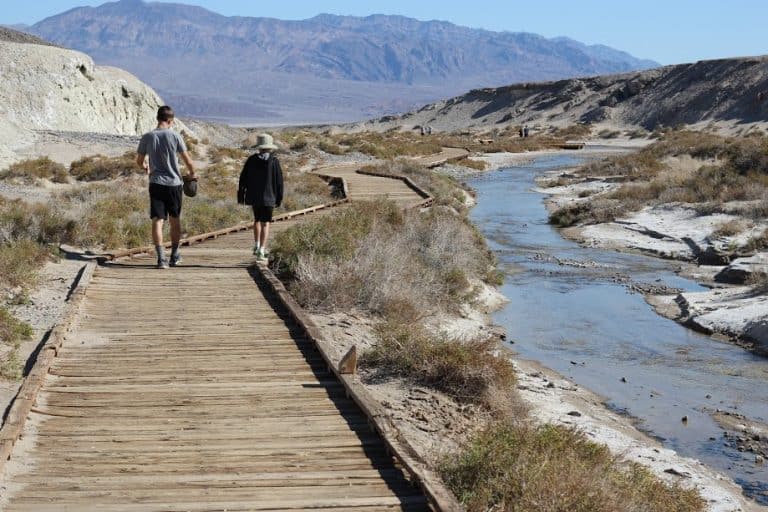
[[44, 87], [51, 88]]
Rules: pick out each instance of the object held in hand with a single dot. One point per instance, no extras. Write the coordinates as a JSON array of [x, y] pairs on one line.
[[190, 186]]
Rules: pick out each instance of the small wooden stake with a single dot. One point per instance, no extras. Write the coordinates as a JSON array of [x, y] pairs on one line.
[[348, 363]]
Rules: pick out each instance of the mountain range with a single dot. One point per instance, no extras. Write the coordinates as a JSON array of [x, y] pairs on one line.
[[327, 68]]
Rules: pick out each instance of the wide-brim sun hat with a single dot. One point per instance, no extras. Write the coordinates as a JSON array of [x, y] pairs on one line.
[[264, 141]]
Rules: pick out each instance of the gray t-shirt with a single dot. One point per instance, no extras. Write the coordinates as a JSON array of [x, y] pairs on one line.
[[162, 145]]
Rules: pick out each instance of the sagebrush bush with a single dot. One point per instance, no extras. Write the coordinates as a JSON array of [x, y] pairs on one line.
[[303, 190], [515, 467], [29, 171]]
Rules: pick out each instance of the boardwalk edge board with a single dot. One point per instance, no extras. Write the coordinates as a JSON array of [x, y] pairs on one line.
[[24, 400], [428, 199], [381, 420]]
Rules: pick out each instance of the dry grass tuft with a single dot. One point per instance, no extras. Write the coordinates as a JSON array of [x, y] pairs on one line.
[[730, 169], [12, 333], [100, 167], [376, 258], [219, 154], [444, 189], [29, 171], [468, 371], [512, 466]]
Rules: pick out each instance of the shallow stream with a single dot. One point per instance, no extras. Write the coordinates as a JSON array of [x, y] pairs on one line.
[[570, 309]]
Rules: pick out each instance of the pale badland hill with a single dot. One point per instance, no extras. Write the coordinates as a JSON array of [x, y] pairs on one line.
[[45, 87], [726, 92]]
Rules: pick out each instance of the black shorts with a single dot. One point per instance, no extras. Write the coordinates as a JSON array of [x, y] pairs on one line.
[[262, 213], [164, 201]]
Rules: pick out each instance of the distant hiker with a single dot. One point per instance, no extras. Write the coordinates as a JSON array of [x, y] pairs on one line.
[[521, 132], [525, 131], [157, 155], [261, 186]]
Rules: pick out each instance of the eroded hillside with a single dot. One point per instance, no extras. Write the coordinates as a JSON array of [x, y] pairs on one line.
[[727, 91]]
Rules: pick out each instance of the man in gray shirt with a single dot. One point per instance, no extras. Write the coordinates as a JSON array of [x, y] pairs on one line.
[[157, 155]]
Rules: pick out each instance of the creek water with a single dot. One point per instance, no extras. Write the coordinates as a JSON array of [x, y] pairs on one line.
[[571, 310]]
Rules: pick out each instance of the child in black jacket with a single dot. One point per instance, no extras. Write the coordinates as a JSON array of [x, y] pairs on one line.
[[261, 186]]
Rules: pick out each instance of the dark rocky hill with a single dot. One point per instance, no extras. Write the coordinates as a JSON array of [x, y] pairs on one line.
[[726, 91], [348, 65]]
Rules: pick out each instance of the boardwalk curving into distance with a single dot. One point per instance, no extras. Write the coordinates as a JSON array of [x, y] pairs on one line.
[[192, 389]]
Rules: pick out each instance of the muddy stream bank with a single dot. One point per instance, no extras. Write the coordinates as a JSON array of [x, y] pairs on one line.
[[580, 311]]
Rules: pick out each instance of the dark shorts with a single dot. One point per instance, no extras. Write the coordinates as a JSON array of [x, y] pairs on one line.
[[164, 201], [262, 213]]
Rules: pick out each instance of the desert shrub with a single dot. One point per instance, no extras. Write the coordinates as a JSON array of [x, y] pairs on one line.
[[39, 222], [112, 217], [444, 189], [374, 257], [100, 167], [608, 134], [595, 211], [729, 228], [205, 214], [330, 148], [191, 142], [303, 190], [220, 154], [29, 171], [517, 467], [12, 333], [391, 144], [468, 371], [19, 262], [574, 131], [472, 164]]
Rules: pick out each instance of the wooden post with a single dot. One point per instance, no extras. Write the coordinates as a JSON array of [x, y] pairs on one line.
[[348, 363]]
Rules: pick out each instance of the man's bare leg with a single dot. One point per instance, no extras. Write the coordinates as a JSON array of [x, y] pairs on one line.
[[157, 239], [175, 240]]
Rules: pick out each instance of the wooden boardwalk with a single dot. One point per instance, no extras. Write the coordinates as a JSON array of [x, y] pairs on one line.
[[191, 389]]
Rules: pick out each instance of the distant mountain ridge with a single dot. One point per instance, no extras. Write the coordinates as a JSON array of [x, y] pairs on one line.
[[324, 63]]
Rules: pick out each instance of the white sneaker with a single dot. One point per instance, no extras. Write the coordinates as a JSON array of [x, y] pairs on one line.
[[262, 254], [256, 250]]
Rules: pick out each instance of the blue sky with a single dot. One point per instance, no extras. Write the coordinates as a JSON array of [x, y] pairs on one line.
[[669, 31]]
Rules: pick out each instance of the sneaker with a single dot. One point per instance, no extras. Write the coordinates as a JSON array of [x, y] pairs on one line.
[[162, 263], [176, 259], [256, 249], [263, 254]]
